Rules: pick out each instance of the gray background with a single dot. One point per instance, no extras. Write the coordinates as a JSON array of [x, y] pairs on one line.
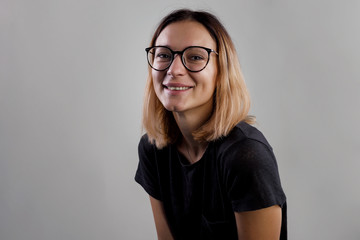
[[72, 75]]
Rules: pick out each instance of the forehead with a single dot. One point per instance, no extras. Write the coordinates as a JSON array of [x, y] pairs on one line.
[[180, 35]]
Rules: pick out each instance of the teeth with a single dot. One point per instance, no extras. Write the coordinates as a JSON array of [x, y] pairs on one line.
[[178, 88]]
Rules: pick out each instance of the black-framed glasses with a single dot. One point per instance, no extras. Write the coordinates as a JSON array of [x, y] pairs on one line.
[[194, 58]]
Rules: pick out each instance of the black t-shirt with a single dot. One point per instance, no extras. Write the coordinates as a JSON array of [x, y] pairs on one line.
[[236, 173]]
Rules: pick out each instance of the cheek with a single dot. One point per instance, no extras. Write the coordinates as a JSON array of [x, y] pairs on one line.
[[157, 83], [157, 78], [213, 75], [214, 80]]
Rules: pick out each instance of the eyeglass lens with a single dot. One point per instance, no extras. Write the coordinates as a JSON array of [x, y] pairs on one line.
[[193, 58]]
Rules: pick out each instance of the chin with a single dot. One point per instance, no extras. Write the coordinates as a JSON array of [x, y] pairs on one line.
[[173, 108]]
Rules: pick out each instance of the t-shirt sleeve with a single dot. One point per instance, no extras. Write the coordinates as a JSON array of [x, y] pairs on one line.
[[147, 171], [251, 176]]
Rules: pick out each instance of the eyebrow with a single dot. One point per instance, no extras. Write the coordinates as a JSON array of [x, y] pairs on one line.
[[183, 48]]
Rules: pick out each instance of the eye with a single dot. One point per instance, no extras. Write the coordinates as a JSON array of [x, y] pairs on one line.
[[195, 55], [196, 58], [163, 55]]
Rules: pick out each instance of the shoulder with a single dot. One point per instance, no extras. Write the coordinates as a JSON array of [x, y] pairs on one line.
[[147, 171], [246, 132], [245, 148], [144, 143], [146, 149], [248, 169], [243, 137]]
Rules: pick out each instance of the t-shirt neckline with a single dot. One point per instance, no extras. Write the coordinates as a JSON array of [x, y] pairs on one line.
[[185, 162]]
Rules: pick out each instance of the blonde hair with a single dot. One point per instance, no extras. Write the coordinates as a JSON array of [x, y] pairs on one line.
[[231, 97]]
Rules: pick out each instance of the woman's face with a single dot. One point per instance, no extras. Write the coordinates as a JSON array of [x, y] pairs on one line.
[[178, 89]]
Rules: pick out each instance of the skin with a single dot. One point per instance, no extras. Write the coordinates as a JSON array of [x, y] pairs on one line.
[[162, 227], [191, 108]]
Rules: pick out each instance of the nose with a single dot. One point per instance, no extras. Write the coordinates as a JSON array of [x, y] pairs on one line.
[[176, 67]]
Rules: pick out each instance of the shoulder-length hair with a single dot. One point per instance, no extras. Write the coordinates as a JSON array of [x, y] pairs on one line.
[[231, 97]]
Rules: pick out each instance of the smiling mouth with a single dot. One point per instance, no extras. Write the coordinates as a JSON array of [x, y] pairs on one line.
[[177, 88]]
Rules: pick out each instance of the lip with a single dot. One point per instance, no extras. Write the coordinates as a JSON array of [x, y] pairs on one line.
[[167, 85], [176, 88]]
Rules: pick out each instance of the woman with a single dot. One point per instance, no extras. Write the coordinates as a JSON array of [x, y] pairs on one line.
[[209, 174]]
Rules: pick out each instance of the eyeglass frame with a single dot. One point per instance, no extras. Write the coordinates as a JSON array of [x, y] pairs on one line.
[[181, 54]]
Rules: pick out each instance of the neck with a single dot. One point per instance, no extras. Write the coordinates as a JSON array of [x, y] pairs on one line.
[[188, 122]]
